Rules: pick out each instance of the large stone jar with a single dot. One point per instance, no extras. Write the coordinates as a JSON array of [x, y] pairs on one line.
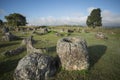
[[73, 53]]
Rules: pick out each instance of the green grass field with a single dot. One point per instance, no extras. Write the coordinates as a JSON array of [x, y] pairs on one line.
[[104, 55]]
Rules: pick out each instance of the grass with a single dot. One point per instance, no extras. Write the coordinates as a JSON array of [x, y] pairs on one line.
[[104, 55]]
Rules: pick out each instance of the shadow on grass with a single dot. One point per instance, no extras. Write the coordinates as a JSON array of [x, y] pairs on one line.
[[95, 53], [8, 66], [52, 49], [8, 44]]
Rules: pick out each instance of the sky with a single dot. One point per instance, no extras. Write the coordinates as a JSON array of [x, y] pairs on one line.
[[61, 12]]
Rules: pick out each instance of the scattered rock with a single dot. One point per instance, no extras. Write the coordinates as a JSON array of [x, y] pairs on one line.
[[83, 31], [78, 30], [31, 49], [28, 42], [17, 29], [62, 30], [100, 35], [86, 31], [73, 53], [112, 32], [5, 30], [58, 34], [70, 31], [14, 51], [44, 30], [9, 37], [35, 66]]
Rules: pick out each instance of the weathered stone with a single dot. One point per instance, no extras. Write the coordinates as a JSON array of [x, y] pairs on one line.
[[100, 35], [5, 30], [17, 29], [44, 30], [31, 49], [58, 34], [112, 32], [83, 31], [78, 30], [35, 66], [9, 37], [28, 42], [73, 53], [70, 31], [62, 30], [14, 51], [25, 41]]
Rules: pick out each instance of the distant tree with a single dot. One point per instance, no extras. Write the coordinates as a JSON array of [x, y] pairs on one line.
[[16, 19], [1, 23], [94, 19]]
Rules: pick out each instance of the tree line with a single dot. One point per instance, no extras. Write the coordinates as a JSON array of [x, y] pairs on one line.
[[16, 19]]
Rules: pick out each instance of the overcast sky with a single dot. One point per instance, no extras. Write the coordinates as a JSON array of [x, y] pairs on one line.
[[60, 12]]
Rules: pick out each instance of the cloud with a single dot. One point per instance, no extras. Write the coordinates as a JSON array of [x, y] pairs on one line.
[[50, 20], [108, 19], [2, 12]]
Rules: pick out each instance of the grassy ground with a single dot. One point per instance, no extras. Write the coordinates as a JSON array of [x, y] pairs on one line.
[[104, 55]]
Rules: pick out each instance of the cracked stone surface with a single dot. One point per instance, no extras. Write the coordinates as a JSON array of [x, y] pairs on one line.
[[35, 66], [73, 53]]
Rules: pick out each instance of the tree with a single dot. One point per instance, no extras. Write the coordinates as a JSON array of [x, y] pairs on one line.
[[94, 19], [1, 23], [16, 19]]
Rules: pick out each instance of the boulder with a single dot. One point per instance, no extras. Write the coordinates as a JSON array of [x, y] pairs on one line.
[[100, 35], [73, 53], [35, 66]]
